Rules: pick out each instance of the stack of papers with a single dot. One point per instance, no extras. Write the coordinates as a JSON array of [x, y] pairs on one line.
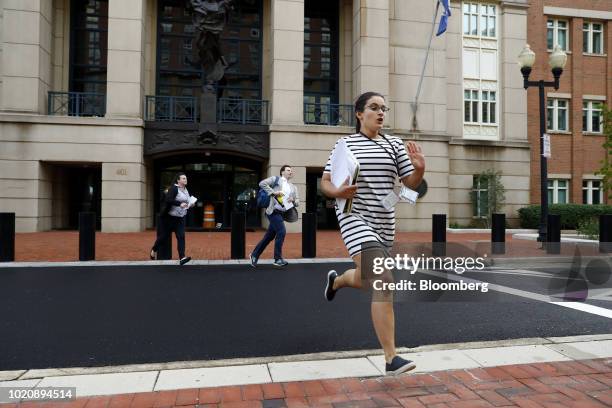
[[343, 165]]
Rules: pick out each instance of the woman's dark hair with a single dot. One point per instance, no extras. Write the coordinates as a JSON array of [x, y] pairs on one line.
[[175, 180], [360, 105]]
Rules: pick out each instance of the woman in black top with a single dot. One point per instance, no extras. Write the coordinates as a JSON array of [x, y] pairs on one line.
[[172, 217]]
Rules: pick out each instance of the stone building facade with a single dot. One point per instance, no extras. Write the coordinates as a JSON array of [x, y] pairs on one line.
[[99, 104]]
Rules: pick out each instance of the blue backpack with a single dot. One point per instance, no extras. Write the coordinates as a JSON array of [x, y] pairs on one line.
[[263, 199]]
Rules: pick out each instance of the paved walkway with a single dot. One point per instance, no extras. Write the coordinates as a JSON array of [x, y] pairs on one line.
[[63, 246], [552, 372]]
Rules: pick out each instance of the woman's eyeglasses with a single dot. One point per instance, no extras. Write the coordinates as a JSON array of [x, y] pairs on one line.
[[374, 107]]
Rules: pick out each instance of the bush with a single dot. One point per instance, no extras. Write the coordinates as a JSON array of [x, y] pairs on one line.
[[589, 228], [571, 214]]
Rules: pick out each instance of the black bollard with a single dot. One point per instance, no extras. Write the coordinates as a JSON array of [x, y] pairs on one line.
[[498, 234], [553, 234], [87, 236], [7, 237], [164, 252], [309, 235], [605, 233], [438, 234], [238, 235]]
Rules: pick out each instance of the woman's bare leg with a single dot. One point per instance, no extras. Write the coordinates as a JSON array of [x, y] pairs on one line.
[[383, 316]]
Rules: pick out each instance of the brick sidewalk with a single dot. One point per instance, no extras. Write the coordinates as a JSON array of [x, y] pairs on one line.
[[56, 246], [586, 383]]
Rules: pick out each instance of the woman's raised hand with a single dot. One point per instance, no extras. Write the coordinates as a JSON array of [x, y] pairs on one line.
[[416, 155]]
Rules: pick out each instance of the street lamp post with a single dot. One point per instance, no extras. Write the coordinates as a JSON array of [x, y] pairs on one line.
[[557, 61]]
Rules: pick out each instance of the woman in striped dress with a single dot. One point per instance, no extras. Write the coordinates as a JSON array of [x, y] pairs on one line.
[[370, 226]]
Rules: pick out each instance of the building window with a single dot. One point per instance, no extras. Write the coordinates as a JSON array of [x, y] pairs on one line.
[[557, 115], [479, 20], [556, 34], [592, 38], [486, 106], [592, 193], [321, 42], [241, 44], [480, 193], [592, 113], [88, 50], [471, 106], [557, 191]]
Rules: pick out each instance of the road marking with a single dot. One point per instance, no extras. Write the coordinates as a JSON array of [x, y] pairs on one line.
[[600, 311], [583, 307]]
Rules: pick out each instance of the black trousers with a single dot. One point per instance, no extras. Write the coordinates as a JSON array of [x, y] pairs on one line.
[[167, 224]]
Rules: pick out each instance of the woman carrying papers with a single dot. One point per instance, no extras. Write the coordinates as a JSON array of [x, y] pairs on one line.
[[172, 216], [366, 166]]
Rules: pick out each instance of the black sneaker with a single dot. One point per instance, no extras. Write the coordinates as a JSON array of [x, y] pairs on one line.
[[280, 262], [399, 365], [329, 287], [253, 260], [184, 260]]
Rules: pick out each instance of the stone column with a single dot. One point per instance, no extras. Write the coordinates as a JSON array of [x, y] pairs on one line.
[[25, 55], [287, 53], [126, 58], [370, 46], [513, 33]]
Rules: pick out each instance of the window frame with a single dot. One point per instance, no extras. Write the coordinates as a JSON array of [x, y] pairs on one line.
[[478, 106], [477, 191], [590, 190], [590, 109], [479, 16], [555, 190], [590, 31], [555, 116], [555, 29]]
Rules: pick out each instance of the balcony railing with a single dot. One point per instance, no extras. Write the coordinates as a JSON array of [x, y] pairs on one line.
[[76, 104], [243, 111], [171, 109], [187, 109], [330, 114]]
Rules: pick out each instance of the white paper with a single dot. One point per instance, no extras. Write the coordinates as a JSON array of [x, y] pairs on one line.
[[546, 146], [408, 195], [343, 166], [287, 205], [390, 200], [192, 201]]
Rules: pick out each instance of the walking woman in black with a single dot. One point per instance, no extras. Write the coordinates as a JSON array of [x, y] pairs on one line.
[[172, 217], [369, 228]]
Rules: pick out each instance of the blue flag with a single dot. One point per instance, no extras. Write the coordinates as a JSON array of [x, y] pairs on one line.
[[445, 15]]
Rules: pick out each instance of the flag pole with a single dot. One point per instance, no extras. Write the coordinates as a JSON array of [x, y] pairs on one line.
[[415, 104]]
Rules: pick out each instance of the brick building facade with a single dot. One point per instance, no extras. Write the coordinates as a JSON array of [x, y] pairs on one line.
[[583, 28]]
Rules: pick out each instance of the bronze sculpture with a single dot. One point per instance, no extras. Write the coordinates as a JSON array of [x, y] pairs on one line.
[[209, 20]]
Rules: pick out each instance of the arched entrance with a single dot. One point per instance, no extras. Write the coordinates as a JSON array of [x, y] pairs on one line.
[[228, 182]]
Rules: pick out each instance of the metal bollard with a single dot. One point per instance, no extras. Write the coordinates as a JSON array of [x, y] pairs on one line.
[[605, 233], [553, 234], [309, 235], [498, 234], [164, 252], [87, 236], [438, 234], [7, 237], [238, 235]]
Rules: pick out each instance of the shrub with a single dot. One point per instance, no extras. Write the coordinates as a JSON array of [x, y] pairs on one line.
[[571, 214]]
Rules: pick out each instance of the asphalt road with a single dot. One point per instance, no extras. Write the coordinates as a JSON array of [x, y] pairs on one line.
[[111, 315]]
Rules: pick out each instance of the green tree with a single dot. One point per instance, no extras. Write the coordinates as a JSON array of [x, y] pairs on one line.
[[606, 163]]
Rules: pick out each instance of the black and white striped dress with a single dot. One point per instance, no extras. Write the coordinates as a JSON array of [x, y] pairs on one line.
[[369, 221]]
